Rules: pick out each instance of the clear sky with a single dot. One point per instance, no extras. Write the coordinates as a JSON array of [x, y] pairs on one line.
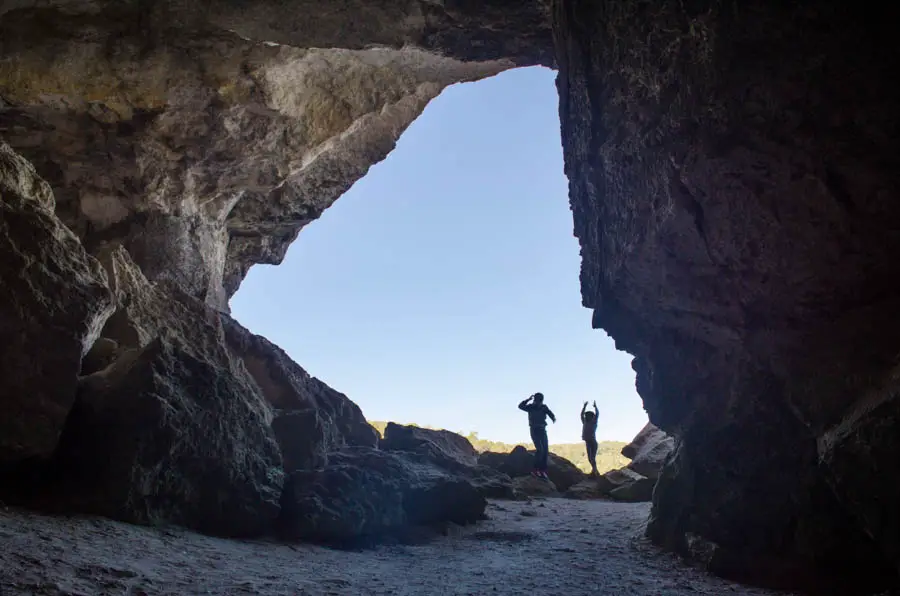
[[443, 288]]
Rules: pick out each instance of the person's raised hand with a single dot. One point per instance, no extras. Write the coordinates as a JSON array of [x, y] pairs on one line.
[[585, 403], [595, 403]]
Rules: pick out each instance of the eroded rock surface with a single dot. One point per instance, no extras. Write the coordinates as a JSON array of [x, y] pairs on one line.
[[648, 451], [310, 419], [366, 493], [734, 182], [204, 139], [440, 444], [450, 451], [53, 302], [173, 430]]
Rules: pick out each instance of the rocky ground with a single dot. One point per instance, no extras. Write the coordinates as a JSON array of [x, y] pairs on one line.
[[551, 546]]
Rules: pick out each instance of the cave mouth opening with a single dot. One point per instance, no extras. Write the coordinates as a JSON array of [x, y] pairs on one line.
[[443, 287]]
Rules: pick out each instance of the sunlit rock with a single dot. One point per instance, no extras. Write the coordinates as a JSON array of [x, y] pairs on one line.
[[310, 419], [203, 140], [648, 451]]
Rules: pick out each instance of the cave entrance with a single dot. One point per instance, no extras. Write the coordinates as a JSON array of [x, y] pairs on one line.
[[444, 286]]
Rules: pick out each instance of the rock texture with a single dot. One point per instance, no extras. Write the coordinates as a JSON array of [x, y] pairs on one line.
[[204, 139], [173, 430], [531, 486], [440, 444], [734, 176], [309, 418], [624, 485], [520, 462], [449, 451], [734, 182], [366, 493], [53, 302], [648, 451]]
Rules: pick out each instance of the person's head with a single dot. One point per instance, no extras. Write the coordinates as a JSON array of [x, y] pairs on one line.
[[589, 416], [538, 398]]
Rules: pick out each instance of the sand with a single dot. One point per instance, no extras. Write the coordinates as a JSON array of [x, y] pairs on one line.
[[545, 547]]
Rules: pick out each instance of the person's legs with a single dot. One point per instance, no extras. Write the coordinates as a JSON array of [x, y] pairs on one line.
[[544, 450], [536, 439], [592, 455]]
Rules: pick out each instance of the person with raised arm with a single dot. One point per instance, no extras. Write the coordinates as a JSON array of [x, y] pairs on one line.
[[538, 412]]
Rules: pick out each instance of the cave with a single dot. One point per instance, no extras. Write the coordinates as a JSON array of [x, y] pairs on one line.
[[733, 180]]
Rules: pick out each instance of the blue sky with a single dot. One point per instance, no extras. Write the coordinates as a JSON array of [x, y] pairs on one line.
[[443, 287]]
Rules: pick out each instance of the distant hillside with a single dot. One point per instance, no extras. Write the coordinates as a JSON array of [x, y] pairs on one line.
[[609, 456]]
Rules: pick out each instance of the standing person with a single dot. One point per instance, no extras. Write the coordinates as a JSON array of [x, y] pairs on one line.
[[537, 421], [589, 434]]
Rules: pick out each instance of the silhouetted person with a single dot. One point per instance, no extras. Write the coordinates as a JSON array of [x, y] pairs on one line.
[[589, 434], [537, 421]]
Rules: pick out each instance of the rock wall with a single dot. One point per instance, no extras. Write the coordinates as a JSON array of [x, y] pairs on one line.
[[54, 301], [182, 144], [734, 181]]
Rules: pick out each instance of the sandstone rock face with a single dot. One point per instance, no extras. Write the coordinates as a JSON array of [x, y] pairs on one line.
[[173, 430], [520, 462], [310, 419], [450, 451], [648, 451], [737, 212], [53, 302], [366, 493], [204, 139]]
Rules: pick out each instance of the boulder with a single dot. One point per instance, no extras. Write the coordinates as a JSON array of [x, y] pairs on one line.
[[491, 483], [54, 300], [648, 451], [530, 486], [173, 430], [636, 491], [162, 436], [310, 419], [450, 451], [520, 462], [621, 485], [366, 493], [592, 488], [441, 444]]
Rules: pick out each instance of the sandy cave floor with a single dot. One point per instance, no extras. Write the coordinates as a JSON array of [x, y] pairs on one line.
[[543, 547]]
